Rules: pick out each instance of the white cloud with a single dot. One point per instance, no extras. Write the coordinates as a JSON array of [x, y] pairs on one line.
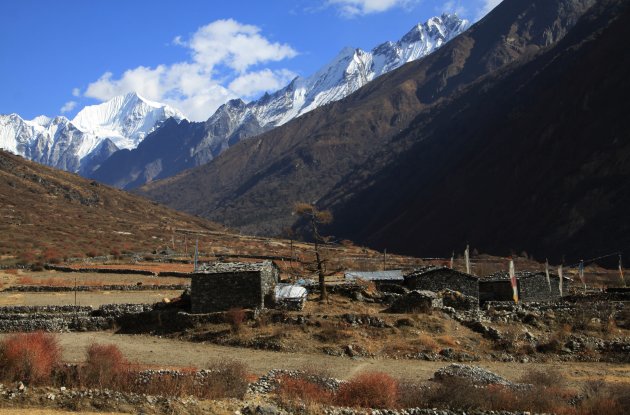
[[453, 6], [236, 45], [68, 106], [224, 64], [254, 83], [353, 8], [76, 92], [486, 7]]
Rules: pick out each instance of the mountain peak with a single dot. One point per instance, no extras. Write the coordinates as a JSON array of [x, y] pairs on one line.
[[446, 26], [125, 119]]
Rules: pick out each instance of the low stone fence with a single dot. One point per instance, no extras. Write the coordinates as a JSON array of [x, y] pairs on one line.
[[129, 318], [65, 318], [101, 270], [118, 287]]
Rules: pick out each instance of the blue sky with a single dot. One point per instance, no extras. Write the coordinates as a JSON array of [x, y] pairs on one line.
[[58, 56]]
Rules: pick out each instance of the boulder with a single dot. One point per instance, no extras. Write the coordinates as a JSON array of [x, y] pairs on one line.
[[416, 302]]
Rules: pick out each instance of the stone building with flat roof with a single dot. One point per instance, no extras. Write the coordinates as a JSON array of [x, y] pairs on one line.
[[225, 285]]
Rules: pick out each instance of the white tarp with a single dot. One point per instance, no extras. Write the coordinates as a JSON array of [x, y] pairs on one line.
[[290, 291]]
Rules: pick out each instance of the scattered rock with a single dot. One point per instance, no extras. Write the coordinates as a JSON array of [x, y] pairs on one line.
[[475, 374]]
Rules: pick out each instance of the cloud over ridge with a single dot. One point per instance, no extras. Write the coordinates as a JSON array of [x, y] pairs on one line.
[[225, 63]]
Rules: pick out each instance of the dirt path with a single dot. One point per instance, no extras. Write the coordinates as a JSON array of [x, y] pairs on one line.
[[162, 352]]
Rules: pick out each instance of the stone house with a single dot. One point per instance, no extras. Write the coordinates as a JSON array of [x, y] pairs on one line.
[[377, 277], [437, 279], [531, 286], [222, 286]]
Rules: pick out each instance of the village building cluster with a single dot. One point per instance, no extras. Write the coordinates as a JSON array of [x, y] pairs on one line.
[[223, 286]]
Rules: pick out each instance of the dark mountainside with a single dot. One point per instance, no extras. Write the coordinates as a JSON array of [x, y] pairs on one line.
[[254, 184], [535, 158]]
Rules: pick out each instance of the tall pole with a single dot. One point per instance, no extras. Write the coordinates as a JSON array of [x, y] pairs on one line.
[[547, 273], [467, 258], [623, 281], [196, 253], [384, 259], [560, 279], [581, 273]]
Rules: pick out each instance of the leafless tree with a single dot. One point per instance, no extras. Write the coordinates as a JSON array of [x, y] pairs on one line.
[[315, 218]]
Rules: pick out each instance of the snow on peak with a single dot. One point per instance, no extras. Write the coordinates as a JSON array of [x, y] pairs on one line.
[[65, 144], [41, 120], [124, 119], [352, 68]]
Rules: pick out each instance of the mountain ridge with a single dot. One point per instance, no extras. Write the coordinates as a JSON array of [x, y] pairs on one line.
[[96, 132], [254, 183], [236, 120], [542, 171]]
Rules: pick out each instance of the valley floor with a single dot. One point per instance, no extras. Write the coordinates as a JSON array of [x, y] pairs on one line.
[[164, 352]]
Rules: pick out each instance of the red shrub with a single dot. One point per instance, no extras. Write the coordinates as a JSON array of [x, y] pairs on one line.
[[298, 389], [52, 256], [235, 318], [369, 390], [29, 357], [105, 364]]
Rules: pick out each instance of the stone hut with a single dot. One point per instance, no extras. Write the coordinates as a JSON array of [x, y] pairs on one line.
[[377, 277], [222, 286], [531, 286], [437, 279]]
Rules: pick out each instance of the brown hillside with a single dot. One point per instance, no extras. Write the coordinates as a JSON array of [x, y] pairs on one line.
[[54, 214], [253, 185]]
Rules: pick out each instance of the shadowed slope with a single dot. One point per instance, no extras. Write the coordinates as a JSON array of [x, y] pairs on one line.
[[535, 158], [253, 185]]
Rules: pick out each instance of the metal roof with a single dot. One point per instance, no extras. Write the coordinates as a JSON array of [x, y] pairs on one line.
[[391, 275]]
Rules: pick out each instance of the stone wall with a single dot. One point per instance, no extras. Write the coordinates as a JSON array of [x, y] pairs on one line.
[[222, 291], [531, 287], [65, 318], [444, 278], [535, 288], [118, 287]]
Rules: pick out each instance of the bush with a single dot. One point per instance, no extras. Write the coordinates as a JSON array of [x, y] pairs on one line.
[[548, 378], [604, 398], [29, 357], [227, 380], [105, 365], [467, 397], [235, 318], [369, 390], [300, 390]]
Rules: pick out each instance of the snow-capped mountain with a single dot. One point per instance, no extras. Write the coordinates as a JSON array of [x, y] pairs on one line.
[[92, 136], [125, 119], [156, 158], [346, 73], [351, 69]]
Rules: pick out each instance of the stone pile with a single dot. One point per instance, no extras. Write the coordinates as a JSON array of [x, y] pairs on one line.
[[475, 374], [416, 301], [269, 382]]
